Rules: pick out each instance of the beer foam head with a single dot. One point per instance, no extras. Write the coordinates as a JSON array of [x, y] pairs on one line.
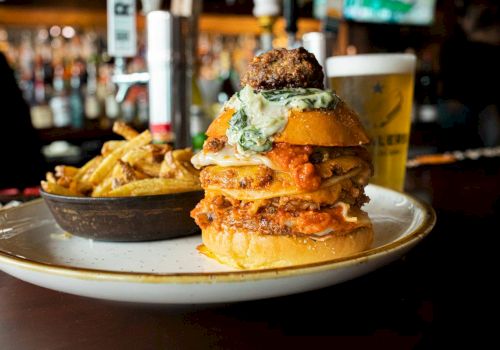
[[371, 64]]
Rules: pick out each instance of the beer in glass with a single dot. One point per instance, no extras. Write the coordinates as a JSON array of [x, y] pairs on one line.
[[379, 87]]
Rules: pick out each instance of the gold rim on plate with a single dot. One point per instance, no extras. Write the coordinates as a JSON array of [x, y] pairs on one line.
[[230, 276]]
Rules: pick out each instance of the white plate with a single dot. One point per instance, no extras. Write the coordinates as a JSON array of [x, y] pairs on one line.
[[34, 249]]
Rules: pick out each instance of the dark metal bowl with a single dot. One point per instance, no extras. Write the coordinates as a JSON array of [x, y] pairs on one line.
[[125, 219]]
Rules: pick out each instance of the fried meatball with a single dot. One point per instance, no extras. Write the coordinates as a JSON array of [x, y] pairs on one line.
[[282, 68]]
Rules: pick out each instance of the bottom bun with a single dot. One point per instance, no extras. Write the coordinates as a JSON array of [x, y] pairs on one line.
[[246, 250]]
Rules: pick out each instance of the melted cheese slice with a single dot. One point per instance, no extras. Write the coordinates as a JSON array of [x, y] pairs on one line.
[[228, 156], [360, 218]]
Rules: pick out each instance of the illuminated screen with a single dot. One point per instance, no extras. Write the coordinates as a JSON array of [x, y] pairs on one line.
[[420, 12]]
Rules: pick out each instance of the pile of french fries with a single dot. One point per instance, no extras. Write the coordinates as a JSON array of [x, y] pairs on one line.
[[130, 167]]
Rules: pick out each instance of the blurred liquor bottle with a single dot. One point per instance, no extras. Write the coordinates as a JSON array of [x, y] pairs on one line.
[[76, 95], [59, 103], [41, 113], [111, 106], [108, 112], [92, 105]]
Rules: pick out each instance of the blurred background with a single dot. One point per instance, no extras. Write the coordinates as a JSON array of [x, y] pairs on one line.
[[58, 56]]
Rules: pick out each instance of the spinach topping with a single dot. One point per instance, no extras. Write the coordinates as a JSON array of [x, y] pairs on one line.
[[261, 114], [247, 137], [238, 121], [253, 140], [310, 98]]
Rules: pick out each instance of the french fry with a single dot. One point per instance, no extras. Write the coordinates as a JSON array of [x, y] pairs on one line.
[[80, 182], [137, 154], [158, 151], [140, 175], [52, 187], [148, 168], [153, 186], [127, 170], [103, 188], [183, 155], [64, 181], [124, 130], [110, 146], [64, 175], [50, 177], [122, 174], [108, 162], [106, 184], [66, 171], [177, 164], [90, 165]]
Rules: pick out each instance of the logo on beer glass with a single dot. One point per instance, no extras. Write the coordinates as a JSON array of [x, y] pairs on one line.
[[385, 103]]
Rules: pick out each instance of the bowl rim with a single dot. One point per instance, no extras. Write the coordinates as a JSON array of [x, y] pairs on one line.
[[85, 199]]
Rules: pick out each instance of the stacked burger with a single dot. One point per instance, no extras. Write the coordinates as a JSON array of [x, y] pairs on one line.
[[284, 170]]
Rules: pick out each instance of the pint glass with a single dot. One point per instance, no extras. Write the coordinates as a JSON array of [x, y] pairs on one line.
[[379, 87]]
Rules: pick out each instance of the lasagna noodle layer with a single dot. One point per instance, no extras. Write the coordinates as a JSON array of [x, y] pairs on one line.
[[280, 184]]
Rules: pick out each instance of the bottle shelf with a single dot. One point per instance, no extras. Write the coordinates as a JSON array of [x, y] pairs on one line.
[[96, 18]]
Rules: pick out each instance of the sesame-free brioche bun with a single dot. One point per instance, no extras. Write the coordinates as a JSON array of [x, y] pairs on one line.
[[318, 127], [251, 250]]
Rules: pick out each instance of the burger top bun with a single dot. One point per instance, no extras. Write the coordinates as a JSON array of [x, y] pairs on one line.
[[319, 127]]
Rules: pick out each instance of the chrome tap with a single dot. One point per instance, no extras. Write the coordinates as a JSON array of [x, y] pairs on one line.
[[124, 81]]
